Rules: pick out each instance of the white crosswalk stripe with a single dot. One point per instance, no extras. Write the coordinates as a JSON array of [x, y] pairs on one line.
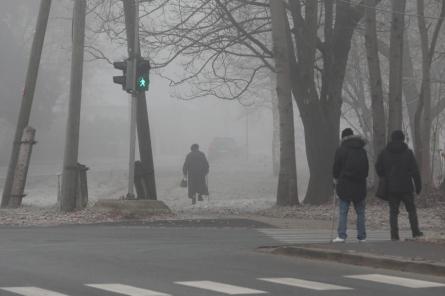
[[304, 284], [301, 236], [397, 281], [126, 290], [229, 289], [31, 291], [220, 287]]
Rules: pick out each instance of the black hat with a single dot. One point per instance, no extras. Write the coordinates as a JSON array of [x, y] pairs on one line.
[[398, 136], [194, 147], [346, 133]]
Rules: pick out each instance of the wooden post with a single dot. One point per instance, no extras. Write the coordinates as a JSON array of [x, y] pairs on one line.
[[82, 187], [21, 171], [70, 169], [28, 95]]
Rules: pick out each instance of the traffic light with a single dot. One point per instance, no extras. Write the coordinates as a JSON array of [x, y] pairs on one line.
[[143, 75], [125, 79]]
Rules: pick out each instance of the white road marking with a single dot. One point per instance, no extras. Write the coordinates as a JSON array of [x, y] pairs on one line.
[[220, 287], [397, 281], [304, 284], [126, 290], [293, 235], [31, 291]]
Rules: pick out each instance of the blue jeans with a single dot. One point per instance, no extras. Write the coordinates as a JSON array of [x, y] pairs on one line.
[[359, 207]]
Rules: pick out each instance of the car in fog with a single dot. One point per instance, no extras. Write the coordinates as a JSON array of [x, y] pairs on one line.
[[224, 148]]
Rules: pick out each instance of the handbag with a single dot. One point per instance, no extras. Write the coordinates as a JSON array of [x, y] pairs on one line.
[[382, 189], [183, 183]]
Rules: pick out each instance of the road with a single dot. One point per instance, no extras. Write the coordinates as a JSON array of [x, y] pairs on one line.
[[189, 259]]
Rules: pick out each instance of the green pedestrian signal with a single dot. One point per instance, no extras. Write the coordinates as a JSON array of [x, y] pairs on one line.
[[142, 83], [143, 75]]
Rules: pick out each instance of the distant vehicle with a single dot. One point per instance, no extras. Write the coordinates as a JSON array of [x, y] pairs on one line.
[[224, 148]]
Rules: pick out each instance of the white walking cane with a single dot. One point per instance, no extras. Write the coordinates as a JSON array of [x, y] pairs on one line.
[[207, 184], [334, 209]]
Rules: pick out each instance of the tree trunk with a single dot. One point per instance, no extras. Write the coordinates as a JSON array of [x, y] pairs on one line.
[[287, 193], [410, 89], [275, 133], [395, 117], [321, 141], [375, 79], [423, 120], [321, 113]]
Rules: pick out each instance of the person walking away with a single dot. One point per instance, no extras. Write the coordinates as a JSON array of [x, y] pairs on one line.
[[350, 171], [195, 170], [398, 165]]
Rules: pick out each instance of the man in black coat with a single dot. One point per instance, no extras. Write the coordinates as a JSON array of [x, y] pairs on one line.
[[397, 164], [195, 169], [350, 171]]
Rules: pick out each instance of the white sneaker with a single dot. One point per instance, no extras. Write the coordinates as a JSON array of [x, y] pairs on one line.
[[362, 240], [338, 240]]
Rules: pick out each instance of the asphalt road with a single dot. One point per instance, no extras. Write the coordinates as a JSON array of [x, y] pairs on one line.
[[150, 260]]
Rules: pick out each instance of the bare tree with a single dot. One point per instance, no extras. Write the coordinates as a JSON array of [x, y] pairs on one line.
[[225, 45], [287, 191], [423, 118], [395, 117], [375, 78]]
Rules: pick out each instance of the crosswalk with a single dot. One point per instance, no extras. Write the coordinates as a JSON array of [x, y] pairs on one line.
[[301, 236], [230, 289]]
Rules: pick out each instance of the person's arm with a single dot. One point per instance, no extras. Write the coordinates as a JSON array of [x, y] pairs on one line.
[[379, 165]]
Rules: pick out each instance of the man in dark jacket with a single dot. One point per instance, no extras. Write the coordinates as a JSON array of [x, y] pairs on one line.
[[350, 172], [195, 169], [397, 164]]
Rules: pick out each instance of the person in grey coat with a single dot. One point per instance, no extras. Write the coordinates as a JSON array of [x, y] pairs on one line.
[[195, 170]]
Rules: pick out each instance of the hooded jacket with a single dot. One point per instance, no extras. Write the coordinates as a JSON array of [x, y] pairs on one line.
[[351, 168], [399, 166]]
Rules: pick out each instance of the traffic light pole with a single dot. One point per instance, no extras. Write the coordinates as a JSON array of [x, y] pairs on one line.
[[142, 122], [28, 95], [133, 99]]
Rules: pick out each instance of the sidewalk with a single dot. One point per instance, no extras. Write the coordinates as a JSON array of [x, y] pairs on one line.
[[418, 256]]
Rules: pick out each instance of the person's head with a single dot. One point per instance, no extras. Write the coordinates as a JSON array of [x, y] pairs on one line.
[[195, 147], [397, 136], [346, 133]]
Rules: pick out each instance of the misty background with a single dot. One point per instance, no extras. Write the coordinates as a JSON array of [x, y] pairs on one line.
[[104, 132]]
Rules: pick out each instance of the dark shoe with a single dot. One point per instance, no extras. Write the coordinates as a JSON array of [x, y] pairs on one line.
[[395, 238], [200, 198], [418, 234]]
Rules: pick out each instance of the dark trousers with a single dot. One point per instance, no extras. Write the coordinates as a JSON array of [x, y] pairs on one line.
[[394, 204]]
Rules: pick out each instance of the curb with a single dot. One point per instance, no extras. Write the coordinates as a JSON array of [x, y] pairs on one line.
[[362, 259]]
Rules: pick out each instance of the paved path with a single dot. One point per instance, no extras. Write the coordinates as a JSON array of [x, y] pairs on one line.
[[159, 261]]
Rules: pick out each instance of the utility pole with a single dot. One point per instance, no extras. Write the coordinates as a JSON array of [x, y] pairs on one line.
[[143, 127], [28, 95], [70, 167]]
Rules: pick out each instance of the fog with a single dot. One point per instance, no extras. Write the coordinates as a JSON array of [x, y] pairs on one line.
[[104, 132]]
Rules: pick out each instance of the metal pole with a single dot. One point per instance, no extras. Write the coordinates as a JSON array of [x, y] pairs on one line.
[[70, 171], [28, 95], [133, 100]]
